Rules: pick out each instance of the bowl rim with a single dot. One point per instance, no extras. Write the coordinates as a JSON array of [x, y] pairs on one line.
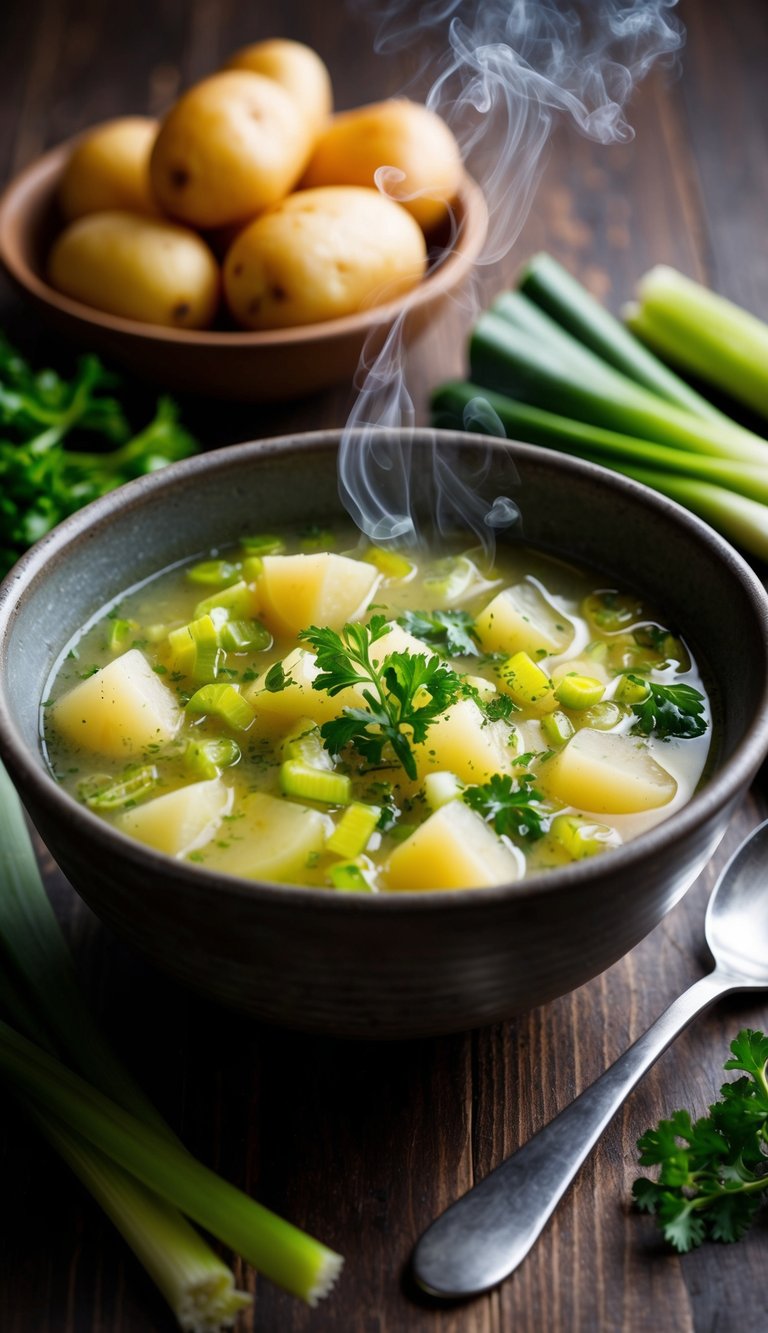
[[735, 773], [40, 176]]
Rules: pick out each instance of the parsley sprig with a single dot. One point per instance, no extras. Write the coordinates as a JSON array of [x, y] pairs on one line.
[[451, 632], [669, 710], [404, 693], [513, 805], [712, 1171]]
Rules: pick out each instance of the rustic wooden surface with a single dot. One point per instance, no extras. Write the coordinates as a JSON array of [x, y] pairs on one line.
[[363, 1144]]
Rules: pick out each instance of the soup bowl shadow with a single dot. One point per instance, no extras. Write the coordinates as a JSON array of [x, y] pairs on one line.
[[401, 964]]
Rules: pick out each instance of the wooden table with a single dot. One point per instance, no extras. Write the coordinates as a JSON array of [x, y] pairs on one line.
[[363, 1144]]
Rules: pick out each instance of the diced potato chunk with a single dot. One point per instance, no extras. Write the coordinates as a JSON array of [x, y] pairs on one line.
[[453, 849], [607, 773], [299, 699], [119, 710], [520, 619], [181, 821], [319, 589], [269, 839], [465, 742]]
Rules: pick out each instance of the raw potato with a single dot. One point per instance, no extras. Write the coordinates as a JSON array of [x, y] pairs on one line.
[[229, 148], [297, 68], [608, 774], [181, 821], [520, 619], [119, 710], [297, 591], [109, 168], [463, 741], [139, 268], [422, 155], [322, 254], [453, 849], [271, 839]]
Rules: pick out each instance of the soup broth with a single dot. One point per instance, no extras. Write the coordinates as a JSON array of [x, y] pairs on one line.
[[309, 711]]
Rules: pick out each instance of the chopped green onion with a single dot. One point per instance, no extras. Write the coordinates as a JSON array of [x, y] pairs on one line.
[[582, 837], [554, 290], [215, 573], [263, 544], [389, 563], [245, 636], [353, 831], [350, 877], [632, 690], [237, 600], [315, 784], [223, 702], [304, 742], [557, 727], [205, 759], [704, 334], [103, 793], [576, 691], [600, 717], [121, 632], [277, 1249], [196, 650]]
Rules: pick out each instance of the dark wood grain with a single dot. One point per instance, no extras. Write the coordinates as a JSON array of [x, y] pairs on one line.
[[363, 1144]]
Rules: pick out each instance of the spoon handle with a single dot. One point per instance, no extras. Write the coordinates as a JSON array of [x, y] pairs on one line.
[[482, 1237]]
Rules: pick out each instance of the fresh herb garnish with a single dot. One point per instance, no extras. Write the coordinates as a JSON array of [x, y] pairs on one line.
[[452, 632], [499, 708], [42, 480], [713, 1170], [276, 679], [668, 710], [407, 692], [512, 805]]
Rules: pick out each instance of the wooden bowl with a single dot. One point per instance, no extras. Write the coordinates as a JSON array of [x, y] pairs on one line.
[[263, 367], [400, 964]]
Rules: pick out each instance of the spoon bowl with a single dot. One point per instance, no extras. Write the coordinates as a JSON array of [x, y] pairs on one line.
[[736, 924]]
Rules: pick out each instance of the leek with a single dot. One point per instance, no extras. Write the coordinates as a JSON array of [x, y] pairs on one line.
[[46, 1003], [295, 1261], [704, 334], [40, 993], [502, 357], [223, 702], [553, 289], [464, 404]]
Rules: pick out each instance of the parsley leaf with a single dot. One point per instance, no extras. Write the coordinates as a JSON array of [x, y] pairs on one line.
[[669, 710], [499, 708], [452, 632], [712, 1171], [404, 693], [512, 805]]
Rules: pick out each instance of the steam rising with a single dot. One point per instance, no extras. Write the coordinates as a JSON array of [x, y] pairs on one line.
[[502, 73]]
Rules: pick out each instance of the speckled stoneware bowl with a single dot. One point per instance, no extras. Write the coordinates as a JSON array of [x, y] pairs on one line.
[[405, 964]]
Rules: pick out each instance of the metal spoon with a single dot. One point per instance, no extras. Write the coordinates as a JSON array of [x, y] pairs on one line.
[[482, 1237]]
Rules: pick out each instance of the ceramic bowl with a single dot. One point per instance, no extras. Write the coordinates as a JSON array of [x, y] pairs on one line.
[[222, 363], [403, 964]]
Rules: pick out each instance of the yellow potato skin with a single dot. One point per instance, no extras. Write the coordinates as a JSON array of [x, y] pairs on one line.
[[397, 133], [230, 147], [297, 68], [109, 168], [322, 254], [141, 268]]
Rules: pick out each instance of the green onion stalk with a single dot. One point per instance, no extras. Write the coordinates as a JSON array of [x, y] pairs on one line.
[[704, 334], [134, 1184]]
